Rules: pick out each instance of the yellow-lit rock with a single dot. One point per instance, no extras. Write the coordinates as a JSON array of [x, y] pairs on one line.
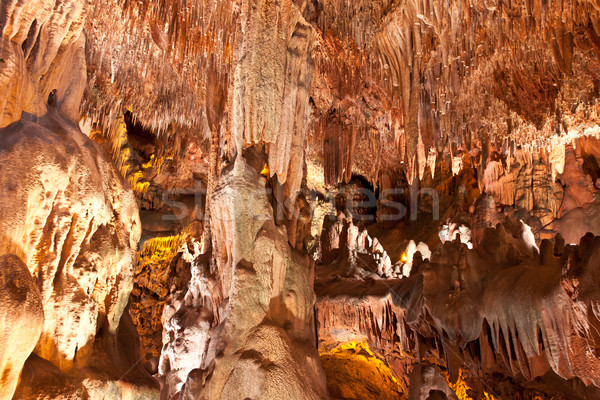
[[354, 372]]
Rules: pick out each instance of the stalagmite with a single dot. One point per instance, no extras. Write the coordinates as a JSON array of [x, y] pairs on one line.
[[299, 199]]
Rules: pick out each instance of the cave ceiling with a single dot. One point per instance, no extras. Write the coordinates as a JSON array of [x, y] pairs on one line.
[[386, 81], [299, 199]]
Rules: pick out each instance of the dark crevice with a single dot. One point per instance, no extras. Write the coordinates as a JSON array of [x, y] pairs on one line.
[[30, 39]]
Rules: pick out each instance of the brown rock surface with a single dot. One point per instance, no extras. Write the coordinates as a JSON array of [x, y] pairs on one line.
[[501, 305], [246, 324], [444, 118]]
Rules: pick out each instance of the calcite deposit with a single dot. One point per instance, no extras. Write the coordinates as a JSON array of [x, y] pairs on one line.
[[23, 314], [254, 199], [246, 322], [68, 215]]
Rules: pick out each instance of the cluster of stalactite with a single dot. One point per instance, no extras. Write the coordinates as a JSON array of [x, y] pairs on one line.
[[369, 86], [443, 58], [455, 76], [156, 59], [237, 73], [502, 306]]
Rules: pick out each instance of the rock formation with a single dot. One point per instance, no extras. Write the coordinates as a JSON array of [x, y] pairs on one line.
[[68, 215], [501, 305], [22, 317], [240, 328], [299, 199]]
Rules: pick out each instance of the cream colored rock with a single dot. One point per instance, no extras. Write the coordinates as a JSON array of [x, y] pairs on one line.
[[42, 51], [271, 86], [70, 217], [259, 304], [411, 249], [21, 320], [425, 380]]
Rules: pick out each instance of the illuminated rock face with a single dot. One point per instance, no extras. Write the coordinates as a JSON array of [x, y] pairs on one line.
[[492, 105], [42, 58], [68, 215], [354, 372], [244, 329], [77, 245], [563, 200], [158, 271], [22, 317]]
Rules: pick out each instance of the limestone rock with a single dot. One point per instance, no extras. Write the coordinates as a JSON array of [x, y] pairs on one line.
[[21, 318], [74, 223], [426, 382], [69, 215], [42, 53], [245, 322]]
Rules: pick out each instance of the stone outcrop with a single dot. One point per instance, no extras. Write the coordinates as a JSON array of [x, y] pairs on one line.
[[245, 321], [502, 304], [22, 320], [427, 383], [160, 270], [53, 177], [70, 217], [66, 213], [559, 198], [354, 372]]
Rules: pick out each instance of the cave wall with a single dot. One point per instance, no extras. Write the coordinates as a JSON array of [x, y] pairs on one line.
[[217, 138], [67, 215], [502, 306]]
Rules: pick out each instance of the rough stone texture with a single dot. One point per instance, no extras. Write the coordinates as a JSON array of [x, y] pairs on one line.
[[65, 212], [244, 326], [501, 304], [270, 99], [160, 270], [42, 51], [374, 88], [492, 104], [53, 176], [42, 380], [21, 318], [354, 372], [186, 320], [69, 215], [108, 368], [561, 199]]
